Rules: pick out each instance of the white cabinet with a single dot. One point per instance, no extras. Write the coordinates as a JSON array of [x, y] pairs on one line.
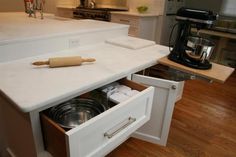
[[140, 26], [103, 133], [156, 130], [146, 116]]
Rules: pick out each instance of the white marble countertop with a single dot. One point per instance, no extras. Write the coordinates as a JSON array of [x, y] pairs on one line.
[[34, 88], [17, 27]]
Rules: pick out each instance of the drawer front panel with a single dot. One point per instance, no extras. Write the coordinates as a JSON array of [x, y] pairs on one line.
[[103, 133], [128, 20]]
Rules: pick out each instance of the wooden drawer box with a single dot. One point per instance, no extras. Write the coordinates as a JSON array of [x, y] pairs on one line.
[[101, 134]]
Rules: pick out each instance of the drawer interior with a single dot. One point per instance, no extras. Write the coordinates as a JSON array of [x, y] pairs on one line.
[[54, 134]]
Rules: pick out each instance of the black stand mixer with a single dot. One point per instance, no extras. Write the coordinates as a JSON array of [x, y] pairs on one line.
[[190, 50]]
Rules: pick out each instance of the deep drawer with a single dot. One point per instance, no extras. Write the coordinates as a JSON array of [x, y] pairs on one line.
[[101, 134]]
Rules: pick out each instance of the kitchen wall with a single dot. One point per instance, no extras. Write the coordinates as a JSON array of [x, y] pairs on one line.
[[112, 2], [67, 3], [50, 6], [214, 5], [18, 6], [11, 5], [155, 6]]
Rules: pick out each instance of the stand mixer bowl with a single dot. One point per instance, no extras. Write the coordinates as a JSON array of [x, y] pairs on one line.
[[200, 48]]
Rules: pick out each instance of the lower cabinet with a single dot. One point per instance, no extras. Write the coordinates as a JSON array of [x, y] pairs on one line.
[[101, 134], [104, 132]]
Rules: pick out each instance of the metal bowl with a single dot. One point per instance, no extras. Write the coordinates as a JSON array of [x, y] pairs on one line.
[[200, 48], [75, 112]]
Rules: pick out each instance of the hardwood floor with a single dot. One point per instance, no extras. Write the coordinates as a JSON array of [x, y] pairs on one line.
[[203, 125]]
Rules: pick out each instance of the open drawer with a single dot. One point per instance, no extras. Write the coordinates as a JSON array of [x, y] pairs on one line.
[[101, 134]]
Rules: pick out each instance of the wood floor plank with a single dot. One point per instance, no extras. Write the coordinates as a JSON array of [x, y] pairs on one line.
[[203, 125]]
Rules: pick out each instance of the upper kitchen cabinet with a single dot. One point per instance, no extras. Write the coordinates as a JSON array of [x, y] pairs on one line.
[[143, 26]]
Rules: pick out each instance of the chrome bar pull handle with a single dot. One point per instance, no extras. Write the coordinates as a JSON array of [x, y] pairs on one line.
[[119, 128]]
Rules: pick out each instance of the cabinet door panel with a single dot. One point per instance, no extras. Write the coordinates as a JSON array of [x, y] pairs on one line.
[[156, 130]]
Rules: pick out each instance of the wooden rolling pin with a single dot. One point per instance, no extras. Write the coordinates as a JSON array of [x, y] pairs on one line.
[[64, 61]]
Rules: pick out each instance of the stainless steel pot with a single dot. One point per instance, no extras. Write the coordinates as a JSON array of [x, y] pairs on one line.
[[200, 48], [75, 112]]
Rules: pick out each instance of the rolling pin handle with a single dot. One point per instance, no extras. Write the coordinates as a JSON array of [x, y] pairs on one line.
[[88, 59], [38, 63]]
